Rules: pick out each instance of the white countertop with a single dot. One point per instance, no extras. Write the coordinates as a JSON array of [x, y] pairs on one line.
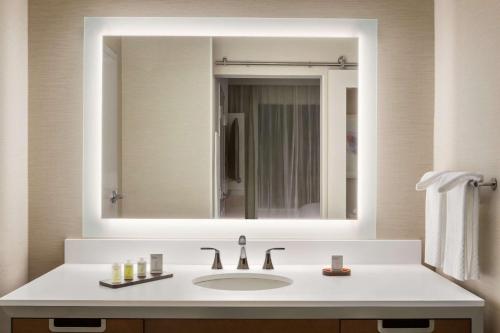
[[369, 286]]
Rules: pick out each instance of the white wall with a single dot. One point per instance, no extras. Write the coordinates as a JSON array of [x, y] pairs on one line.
[[13, 144], [467, 120], [166, 127]]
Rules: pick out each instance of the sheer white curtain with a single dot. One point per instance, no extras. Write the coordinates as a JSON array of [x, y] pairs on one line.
[[287, 141], [282, 149]]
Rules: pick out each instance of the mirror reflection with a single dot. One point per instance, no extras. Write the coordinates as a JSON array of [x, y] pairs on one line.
[[241, 128]]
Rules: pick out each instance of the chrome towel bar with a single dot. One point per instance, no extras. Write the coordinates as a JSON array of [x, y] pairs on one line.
[[493, 184], [341, 62]]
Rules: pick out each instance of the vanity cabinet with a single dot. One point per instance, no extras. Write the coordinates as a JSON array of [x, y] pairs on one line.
[[303, 326], [242, 325], [43, 326], [252, 326], [440, 326]]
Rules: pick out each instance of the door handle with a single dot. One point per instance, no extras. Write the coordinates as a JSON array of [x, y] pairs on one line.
[[115, 196], [222, 195], [77, 325], [405, 326]]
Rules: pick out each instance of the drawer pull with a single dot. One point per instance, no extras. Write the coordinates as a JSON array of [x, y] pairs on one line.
[[405, 326], [77, 325]]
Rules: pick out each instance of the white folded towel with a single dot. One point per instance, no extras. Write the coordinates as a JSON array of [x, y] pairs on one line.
[[428, 179], [435, 216], [460, 252]]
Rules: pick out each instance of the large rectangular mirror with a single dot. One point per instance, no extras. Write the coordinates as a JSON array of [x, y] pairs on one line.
[[229, 127]]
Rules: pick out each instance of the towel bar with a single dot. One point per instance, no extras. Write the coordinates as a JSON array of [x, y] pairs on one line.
[[493, 184]]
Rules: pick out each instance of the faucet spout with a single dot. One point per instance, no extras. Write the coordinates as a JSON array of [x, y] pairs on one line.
[[243, 262]]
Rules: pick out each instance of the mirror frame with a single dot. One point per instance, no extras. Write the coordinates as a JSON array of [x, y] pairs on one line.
[[94, 226]]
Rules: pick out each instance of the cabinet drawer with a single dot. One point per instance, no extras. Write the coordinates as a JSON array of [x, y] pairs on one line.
[[241, 326], [371, 326], [76, 325]]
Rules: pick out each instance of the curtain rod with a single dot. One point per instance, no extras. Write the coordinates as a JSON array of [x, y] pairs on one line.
[[341, 62]]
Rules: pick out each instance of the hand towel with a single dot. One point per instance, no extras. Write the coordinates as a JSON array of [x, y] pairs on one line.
[[435, 217], [460, 253]]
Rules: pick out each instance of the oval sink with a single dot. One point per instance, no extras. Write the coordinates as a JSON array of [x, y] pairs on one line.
[[242, 281]]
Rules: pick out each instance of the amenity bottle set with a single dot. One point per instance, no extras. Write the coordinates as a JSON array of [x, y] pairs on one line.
[[128, 269]]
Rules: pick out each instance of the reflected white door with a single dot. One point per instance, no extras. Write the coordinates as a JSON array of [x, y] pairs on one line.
[[221, 180], [338, 83], [111, 141]]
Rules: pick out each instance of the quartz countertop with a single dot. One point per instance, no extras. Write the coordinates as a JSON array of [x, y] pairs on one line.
[[369, 286]]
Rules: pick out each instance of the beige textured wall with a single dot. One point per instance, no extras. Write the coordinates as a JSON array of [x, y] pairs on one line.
[[13, 144], [285, 49], [405, 103], [467, 119], [166, 132]]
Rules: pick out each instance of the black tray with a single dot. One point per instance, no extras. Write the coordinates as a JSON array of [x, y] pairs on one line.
[[136, 280]]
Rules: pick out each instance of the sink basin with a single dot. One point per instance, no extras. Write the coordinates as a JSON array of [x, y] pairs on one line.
[[242, 281]]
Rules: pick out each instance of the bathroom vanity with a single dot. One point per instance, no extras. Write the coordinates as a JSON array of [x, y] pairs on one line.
[[388, 287]]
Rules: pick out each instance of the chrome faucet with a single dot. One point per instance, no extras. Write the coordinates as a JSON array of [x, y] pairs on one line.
[[243, 262], [268, 263], [217, 264]]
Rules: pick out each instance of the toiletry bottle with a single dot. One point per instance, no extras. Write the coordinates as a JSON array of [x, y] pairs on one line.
[[116, 273], [337, 263], [129, 271], [141, 268], [156, 263]]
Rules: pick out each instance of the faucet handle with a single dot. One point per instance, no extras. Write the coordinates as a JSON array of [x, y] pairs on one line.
[[217, 264], [268, 263]]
